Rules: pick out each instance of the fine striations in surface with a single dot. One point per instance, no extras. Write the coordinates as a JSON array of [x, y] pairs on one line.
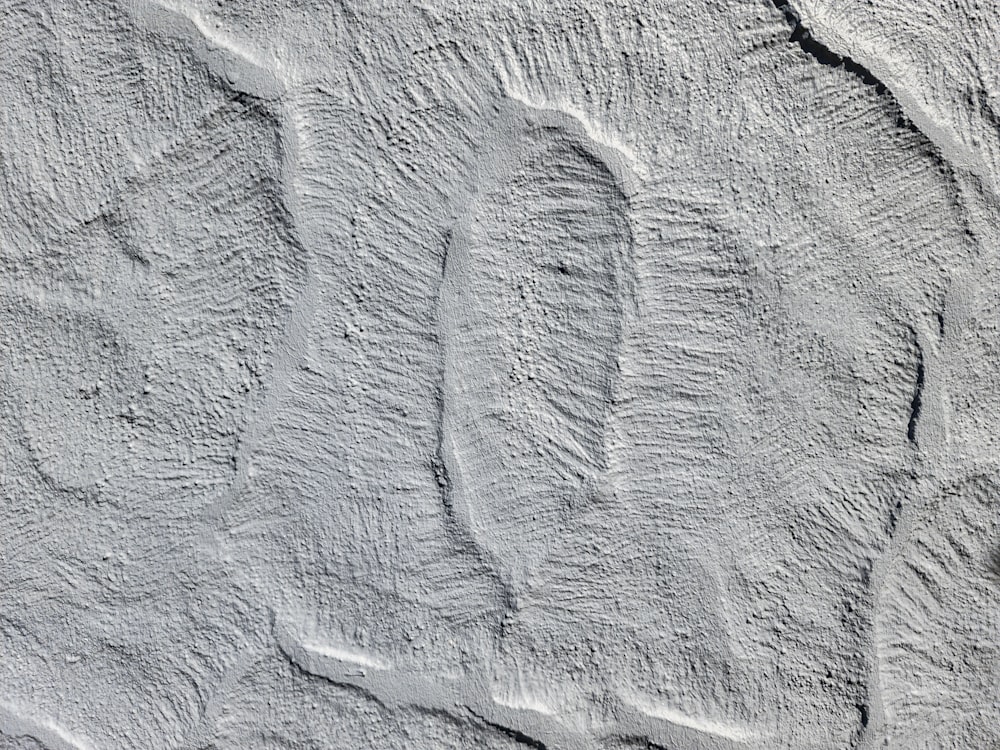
[[461, 375]]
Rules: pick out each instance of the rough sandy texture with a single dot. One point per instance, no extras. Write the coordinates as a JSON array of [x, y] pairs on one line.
[[469, 375]]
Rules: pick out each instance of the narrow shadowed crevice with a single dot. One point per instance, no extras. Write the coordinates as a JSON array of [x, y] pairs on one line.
[[438, 465], [637, 741], [823, 54], [915, 404], [802, 36], [894, 517], [345, 685], [514, 734]]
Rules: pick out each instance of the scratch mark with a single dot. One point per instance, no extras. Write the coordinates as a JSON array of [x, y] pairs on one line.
[[348, 656], [523, 703], [677, 718]]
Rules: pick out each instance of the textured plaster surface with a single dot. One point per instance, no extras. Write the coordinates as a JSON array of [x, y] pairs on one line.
[[499, 375]]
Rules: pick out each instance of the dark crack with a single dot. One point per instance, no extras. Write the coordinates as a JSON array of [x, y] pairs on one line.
[[862, 714], [516, 735], [637, 741], [286, 652], [917, 402], [346, 685], [440, 468], [803, 37], [894, 517]]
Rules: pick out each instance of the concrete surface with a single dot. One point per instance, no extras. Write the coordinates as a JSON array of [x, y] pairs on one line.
[[499, 375]]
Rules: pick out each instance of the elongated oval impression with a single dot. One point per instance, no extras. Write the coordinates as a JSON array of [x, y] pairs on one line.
[[537, 282]]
